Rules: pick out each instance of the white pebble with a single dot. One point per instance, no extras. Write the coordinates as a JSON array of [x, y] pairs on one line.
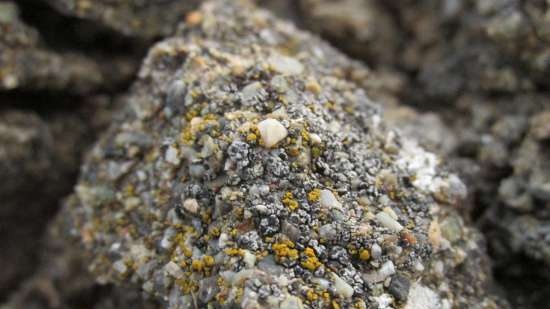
[[173, 270], [387, 270], [191, 205], [421, 297], [249, 259], [272, 132], [171, 155], [388, 222], [328, 200], [315, 139], [285, 65], [342, 287], [375, 252]]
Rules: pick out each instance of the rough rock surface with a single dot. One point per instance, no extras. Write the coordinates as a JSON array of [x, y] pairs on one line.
[[252, 170], [143, 19], [62, 281], [39, 159], [25, 62]]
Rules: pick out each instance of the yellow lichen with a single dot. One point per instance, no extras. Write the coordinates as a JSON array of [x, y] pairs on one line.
[[311, 295], [289, 201], [197, 265], [310, 262], [208, 260], [285, 249], [234, 252], [364, 255], [314, 195]]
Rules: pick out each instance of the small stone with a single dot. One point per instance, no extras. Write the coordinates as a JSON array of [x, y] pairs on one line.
[[388, 222], [285, 65], [342, 287], [171, 155], [191, 205], [375, 251], [272, 132], [399, 287], [173, 270], [315, 139], [421, 297], [328, 200]]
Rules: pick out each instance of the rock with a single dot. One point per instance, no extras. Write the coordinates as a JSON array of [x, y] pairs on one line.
[[356, 144], [39, 158], [132, 17]]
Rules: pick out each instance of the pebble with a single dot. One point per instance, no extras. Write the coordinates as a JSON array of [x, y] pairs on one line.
[[388, 222], [328, 200], [399, 287], [342, 287], [285, 65], [171, 155], [191, 205], [272, 132]]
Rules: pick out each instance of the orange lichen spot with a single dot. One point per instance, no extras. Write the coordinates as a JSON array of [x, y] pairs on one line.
[[285, 249], [310, 262], [311, 295]]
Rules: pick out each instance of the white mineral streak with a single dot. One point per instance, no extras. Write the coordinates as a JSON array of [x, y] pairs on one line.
[[342, 287], [272, 132], [421, 297], [328, 200], [388, 222]]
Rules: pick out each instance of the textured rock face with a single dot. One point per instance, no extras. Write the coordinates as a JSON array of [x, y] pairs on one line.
[[26, 63], [363, 28], [143, 19], [252, 170], [471, 45], [39, 160]]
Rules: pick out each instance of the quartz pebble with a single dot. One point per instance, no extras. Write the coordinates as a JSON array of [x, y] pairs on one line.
[[387, 221], [328, 200], [272, 132]]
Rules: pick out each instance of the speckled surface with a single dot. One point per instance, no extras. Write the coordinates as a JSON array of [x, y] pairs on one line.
[[250, 171]]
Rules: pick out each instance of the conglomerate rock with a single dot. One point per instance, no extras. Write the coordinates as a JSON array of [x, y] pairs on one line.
[[137, 18], [252, 170]]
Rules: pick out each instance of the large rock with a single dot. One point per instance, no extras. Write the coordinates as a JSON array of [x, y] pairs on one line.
[[252, 170], [141, 19]]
